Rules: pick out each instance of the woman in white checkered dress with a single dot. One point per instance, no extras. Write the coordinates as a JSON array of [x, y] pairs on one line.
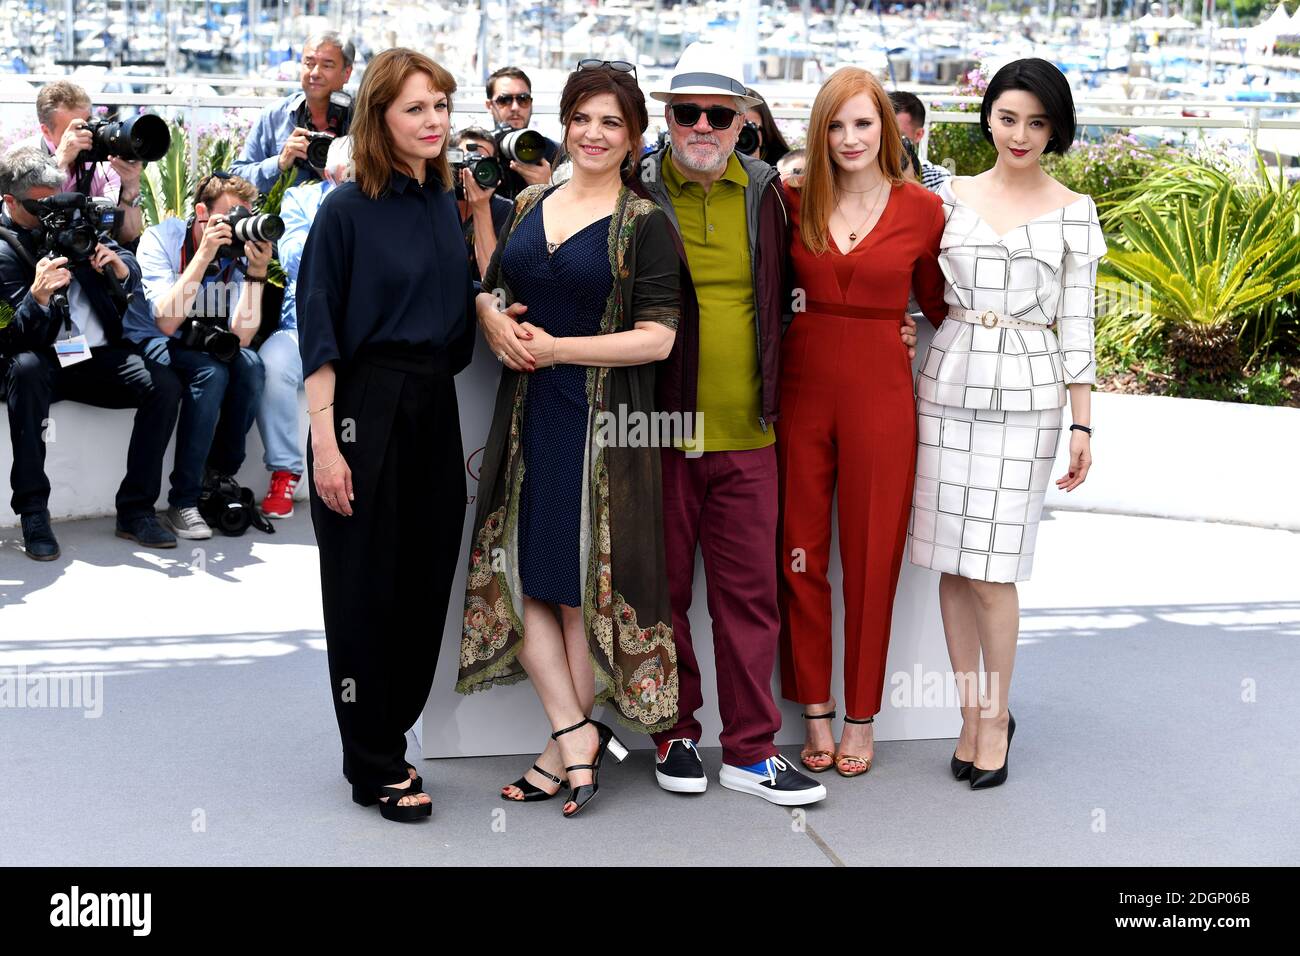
[[1019, 253]]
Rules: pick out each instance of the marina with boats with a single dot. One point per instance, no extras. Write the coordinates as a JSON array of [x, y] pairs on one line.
[[1124, 59]]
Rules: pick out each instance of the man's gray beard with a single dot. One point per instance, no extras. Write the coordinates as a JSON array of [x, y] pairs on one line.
[[685, 157]]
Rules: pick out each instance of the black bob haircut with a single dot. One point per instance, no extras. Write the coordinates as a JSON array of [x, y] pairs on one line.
[[1045, 81]]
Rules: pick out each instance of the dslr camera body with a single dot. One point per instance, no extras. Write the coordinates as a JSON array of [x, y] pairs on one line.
[[483, 169], [338, 118], [73, 225]]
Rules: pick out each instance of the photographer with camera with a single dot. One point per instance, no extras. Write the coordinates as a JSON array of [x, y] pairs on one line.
[[277, 413], [526, 154], [65, 341], [203, 278], [98, 169], [482, 212], [296, 131]]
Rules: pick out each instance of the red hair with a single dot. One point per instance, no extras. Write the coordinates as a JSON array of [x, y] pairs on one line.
[[817, 185]]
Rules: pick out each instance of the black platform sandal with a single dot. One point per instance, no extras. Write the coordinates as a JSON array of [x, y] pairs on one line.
[[805, 754], [532, 794], [389, 808], [582, 794]]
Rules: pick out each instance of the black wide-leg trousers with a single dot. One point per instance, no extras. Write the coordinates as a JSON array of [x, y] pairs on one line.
[[386, 571]]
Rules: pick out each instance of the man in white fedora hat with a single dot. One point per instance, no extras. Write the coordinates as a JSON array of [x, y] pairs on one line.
[[729, 212]]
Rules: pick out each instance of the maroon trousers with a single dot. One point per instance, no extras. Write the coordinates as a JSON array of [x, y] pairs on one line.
[[725, 504]]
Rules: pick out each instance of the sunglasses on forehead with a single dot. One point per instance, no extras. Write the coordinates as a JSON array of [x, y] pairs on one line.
[[505, 99], [207, 180], [688, 114], [619, 66]]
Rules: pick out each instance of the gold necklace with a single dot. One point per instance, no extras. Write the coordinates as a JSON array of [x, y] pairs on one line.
[[853, 234]]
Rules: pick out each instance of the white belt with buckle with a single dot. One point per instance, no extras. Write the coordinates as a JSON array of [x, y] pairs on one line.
[[990, 319]]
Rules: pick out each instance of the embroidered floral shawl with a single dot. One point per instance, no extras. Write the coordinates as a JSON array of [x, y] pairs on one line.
[[626, 605]]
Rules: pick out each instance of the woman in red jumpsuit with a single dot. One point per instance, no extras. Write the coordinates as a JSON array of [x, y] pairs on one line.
[[863, 239]]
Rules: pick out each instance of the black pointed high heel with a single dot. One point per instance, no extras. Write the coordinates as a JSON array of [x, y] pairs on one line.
[[981, 779], [961, 768], [582, 794]]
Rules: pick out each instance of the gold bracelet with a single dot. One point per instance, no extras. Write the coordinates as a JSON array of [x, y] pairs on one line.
[[320, 467], [321, 409]]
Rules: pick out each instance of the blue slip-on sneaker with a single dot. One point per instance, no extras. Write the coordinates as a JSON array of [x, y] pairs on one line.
[[775, 780]]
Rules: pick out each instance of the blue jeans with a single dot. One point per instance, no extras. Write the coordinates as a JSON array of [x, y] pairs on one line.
[[218, 402], [277, 414]]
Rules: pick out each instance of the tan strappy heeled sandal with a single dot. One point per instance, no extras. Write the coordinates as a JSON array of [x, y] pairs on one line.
[[866, 764], [805, 754]]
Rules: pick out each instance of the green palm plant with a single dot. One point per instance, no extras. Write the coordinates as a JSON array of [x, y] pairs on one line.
[[1208, 270], [271, 203], [167, 186]]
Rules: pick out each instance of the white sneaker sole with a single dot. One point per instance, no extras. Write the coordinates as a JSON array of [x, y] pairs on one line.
[[746, 782], [185, 533], [682, 784], [273, 516]]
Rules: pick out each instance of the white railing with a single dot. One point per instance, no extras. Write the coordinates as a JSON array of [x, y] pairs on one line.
[[1096, 112]]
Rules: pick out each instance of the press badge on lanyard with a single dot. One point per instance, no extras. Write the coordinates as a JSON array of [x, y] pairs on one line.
[[71, 350]]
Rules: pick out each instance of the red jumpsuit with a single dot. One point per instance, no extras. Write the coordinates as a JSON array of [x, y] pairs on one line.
[[848, 419]]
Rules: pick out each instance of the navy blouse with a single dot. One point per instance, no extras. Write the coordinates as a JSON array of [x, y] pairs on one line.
[[385, 272]]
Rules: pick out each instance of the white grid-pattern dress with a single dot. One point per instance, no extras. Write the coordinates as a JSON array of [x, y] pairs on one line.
[[989, 400]]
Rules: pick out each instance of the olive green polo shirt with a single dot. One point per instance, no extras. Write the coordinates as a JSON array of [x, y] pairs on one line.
[[716, 238]]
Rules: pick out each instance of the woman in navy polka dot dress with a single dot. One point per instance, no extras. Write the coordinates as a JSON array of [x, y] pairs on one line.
[[566, 582]]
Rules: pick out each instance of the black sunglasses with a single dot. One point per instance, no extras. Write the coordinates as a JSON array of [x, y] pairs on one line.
[[688, 114], [621, 66], [505, 99]]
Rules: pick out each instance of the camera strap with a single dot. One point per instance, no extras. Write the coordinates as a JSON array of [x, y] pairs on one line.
[[9, 236], [16, 244]]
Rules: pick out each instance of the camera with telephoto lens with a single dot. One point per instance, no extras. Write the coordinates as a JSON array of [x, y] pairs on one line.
[[338, 118], [144, 137], [750, 138], [73, 225], [245, 226], [483, 169], [249, 226], [519, 145]]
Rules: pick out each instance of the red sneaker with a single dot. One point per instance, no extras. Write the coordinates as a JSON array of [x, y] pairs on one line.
[[278, 502]]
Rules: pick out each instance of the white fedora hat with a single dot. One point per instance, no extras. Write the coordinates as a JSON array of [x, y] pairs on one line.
[[710, 69]]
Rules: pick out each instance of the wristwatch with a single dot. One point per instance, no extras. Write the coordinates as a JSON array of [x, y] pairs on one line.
[[136, 203]]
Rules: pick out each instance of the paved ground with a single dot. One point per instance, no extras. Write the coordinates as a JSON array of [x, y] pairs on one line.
[[1155, 697]]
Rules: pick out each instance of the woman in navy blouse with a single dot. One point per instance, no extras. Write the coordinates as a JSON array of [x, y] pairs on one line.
[[385, 321]]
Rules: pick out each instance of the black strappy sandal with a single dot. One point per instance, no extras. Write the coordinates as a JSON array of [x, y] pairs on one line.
[[533, 794], [389, 808], [805, 754], [582, 794]]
